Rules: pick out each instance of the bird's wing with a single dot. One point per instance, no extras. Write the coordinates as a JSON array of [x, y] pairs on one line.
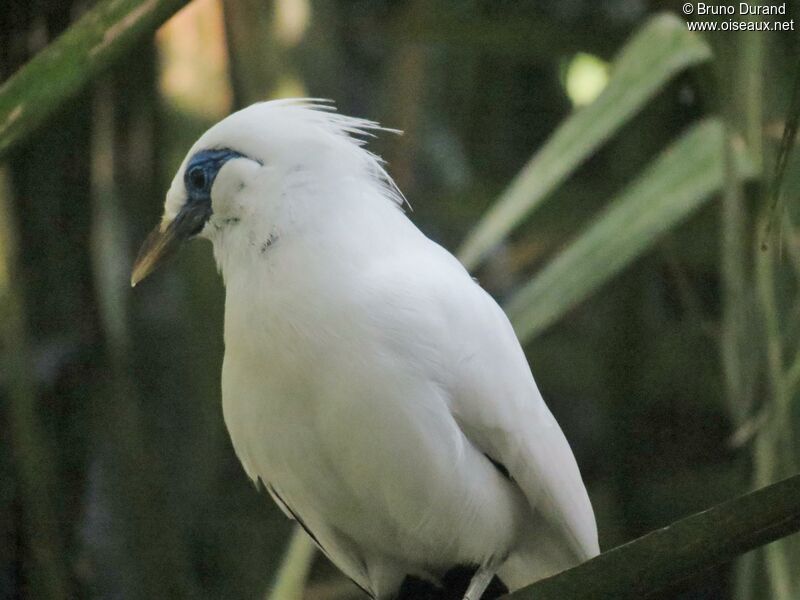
[[334, 547], [496, 402]]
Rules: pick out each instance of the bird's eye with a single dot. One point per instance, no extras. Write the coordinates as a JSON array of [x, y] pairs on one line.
[[197, 178]]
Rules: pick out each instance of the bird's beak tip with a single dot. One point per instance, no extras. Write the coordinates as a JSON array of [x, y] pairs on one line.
[[137, 276], [157, 245], [166, 237]]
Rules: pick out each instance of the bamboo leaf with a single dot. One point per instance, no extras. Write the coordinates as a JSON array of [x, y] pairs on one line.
[[687, 547], [65, 67], [662, 48], [675, 184]]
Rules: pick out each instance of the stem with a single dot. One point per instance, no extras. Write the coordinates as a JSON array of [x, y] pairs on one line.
[[293, 573], [670, 555], [774, 445]]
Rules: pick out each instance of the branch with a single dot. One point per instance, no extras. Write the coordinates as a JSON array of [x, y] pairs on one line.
[[60, 71], [670, 555]]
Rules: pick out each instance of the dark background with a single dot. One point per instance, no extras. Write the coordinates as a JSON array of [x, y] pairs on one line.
[[674, 381]]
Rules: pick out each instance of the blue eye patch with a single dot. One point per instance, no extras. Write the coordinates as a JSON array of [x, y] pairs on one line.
[[202, 170]]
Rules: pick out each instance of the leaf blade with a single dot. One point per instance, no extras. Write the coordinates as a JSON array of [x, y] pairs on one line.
[[660, 49], [674, 185]]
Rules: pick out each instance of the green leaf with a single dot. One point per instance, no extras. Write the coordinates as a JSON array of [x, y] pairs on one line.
[[675, 184], [660, 49], [107, 31]]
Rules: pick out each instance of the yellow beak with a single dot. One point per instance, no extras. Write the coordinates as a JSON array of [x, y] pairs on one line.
[[166, 238]]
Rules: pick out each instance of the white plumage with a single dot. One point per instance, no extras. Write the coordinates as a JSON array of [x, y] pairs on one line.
[[367, 378]]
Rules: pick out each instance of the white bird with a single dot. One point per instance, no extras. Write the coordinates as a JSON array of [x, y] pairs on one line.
[[378, 392]]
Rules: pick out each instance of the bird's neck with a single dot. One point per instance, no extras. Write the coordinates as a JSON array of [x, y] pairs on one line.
[[284, 278]]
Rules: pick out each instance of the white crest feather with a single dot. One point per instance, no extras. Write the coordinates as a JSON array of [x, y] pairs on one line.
[[355, 129], [322, 114]]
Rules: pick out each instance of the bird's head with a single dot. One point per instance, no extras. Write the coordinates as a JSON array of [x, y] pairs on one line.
[[241, 174]]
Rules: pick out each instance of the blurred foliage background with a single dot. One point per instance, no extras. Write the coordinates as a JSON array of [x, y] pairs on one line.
[[655, 285]]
